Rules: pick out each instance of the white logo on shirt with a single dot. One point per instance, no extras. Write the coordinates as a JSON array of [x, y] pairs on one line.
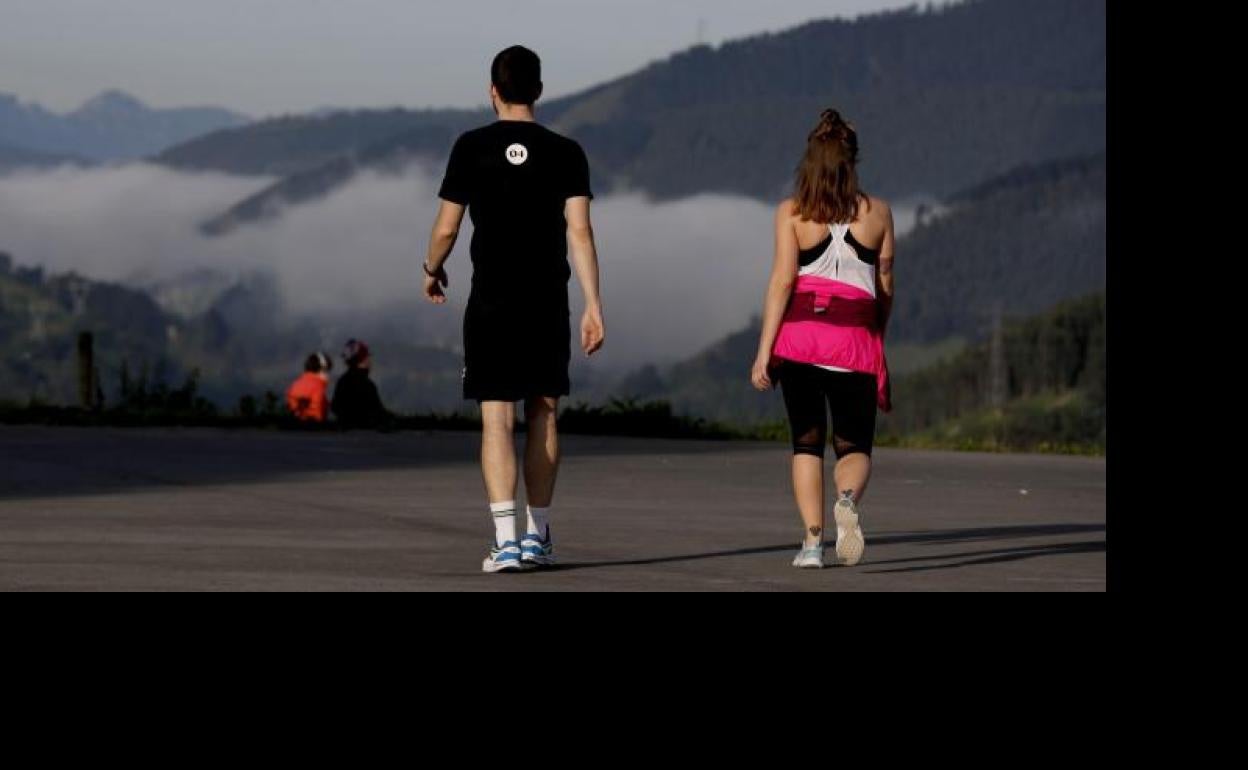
[[517, 154]]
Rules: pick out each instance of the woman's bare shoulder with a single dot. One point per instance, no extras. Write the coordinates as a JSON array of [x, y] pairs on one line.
[[876, 209]]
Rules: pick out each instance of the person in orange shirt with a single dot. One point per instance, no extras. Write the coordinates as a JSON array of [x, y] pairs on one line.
[[307, 399]]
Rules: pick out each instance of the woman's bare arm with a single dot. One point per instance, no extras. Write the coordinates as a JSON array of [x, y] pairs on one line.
[[784, 269], [884, 268]]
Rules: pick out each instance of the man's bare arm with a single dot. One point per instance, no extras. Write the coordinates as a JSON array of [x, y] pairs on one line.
[[441, 241], [585, 261]]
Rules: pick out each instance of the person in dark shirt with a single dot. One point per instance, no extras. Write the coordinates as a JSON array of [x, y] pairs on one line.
[[357, 404], [527, 191]]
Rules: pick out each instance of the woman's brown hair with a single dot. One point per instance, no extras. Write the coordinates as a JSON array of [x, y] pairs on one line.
[[827, 178]]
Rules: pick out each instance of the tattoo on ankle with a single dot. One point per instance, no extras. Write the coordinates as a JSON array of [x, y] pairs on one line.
[[816, 531]]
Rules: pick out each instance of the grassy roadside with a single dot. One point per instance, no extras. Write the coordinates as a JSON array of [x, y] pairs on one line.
[[1022, 428]]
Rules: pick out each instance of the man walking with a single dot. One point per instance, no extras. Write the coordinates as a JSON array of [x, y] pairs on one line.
[[527, 191]]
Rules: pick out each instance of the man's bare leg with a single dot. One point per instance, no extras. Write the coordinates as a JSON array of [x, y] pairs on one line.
[[498, 450], [541, 451], [541, 467], [498, 468]]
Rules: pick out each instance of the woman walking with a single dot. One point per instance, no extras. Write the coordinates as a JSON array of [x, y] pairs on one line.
[[825, 312]]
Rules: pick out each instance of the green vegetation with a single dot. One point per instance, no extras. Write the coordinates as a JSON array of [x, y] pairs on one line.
[[1028, 239], [1051, 384], [908, 357], [652, 419], [236, 345], [1050, 387], [293, 144], [40, 317], [1048, 394], [162, 406]]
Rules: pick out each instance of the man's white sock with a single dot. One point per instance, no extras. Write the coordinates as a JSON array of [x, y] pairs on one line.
[[504, 522], [539, 521]]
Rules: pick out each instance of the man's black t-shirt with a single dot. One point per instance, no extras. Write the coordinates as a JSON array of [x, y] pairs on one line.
[[515, 177]]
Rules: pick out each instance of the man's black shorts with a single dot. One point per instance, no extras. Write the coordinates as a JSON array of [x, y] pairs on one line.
[[515, 351]]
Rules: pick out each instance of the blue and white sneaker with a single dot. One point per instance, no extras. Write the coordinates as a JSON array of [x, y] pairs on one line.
[[535, 551], [504, 558]]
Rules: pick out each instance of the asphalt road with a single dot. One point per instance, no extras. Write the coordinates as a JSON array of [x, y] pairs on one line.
[[206, 510]]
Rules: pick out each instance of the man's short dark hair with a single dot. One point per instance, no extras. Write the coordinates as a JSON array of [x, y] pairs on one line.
[[517, 74]]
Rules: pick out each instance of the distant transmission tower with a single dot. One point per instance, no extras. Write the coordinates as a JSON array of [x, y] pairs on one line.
[[701, 30], [78, 296], [997, 371], [998, 375]]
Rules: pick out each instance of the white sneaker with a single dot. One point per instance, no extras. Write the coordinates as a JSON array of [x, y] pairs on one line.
[[849, 540], [809, 558]]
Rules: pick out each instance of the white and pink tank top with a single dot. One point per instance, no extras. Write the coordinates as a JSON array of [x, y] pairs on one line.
[[832, 320]]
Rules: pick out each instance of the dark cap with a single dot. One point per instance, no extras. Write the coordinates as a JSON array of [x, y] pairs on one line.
[[355, 352]]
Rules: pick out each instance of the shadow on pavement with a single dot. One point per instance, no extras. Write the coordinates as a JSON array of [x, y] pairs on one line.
[[63, 462], [932, 537]]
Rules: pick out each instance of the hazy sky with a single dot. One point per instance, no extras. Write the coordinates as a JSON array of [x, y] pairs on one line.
[[270, 56]]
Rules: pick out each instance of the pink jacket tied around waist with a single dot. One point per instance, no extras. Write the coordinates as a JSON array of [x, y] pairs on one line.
[[831, 323]]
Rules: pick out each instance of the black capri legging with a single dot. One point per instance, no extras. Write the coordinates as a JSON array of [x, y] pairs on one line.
[[810, 392]]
